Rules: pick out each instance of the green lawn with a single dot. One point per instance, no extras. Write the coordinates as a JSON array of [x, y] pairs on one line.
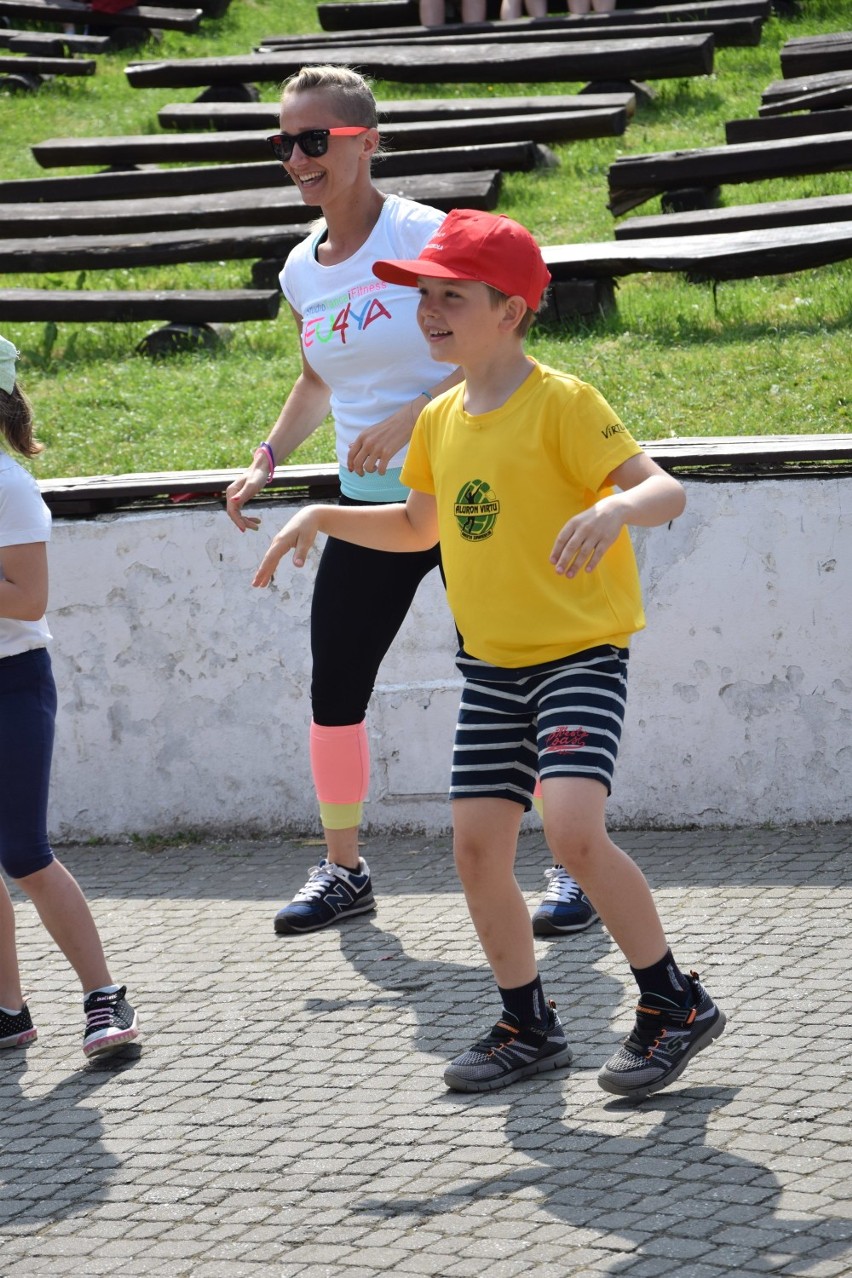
[[768, 356]]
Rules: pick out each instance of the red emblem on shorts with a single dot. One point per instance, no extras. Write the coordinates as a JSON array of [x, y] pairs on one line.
[[566, 740]]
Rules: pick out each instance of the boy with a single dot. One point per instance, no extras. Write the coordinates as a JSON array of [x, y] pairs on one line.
[[515, 471]]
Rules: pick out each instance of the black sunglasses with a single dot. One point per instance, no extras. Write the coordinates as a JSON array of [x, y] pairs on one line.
[[312, 142]]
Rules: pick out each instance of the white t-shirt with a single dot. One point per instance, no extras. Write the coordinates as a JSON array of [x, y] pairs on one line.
[[360, 335], [24, 519]]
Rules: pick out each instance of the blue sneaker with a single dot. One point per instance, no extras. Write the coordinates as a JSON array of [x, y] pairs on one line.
[[508, 1053], [662, 1043], [332, 892], [565, 907]]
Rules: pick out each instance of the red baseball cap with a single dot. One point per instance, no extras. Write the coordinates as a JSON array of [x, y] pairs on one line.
[[471, 245]]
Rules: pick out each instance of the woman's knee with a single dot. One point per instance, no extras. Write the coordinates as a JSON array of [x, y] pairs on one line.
[[19, 863]]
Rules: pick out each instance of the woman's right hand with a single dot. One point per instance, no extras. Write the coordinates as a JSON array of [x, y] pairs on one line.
[[241, 491]]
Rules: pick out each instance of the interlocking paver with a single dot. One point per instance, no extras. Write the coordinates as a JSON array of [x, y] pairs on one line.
[[286, 1116]]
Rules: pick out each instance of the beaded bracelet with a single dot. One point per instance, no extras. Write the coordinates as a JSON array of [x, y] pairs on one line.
[[265, 450]]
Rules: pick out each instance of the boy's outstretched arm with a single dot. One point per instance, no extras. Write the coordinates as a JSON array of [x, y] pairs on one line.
[[398, 527], [648, 497]]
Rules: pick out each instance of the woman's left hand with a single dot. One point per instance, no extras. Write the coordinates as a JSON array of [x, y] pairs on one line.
[[374, 448]]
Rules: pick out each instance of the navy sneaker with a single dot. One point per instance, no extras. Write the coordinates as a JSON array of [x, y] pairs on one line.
[[16, 1028], [662, 1042], [565, 907], [332, 892], [508, 1053], [110, 1022]]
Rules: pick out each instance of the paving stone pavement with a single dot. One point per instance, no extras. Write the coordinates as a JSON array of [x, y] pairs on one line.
[[285, 1114]]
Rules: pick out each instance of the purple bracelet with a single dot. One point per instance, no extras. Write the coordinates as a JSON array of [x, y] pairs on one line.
[[266, 450]]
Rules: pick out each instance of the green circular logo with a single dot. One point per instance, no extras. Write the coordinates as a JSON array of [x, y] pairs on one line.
[[476, 510]]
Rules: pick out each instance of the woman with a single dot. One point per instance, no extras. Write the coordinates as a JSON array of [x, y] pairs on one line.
[[363, 357]]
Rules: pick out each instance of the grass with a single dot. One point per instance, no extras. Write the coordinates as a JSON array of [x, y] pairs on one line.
[[765, 356]]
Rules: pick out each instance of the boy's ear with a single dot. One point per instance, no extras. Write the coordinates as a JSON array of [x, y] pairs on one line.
[[515, 310]]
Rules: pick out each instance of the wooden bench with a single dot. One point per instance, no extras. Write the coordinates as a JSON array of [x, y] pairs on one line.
[[743, 217], [769, 128], [817, 54], [51, 44], [112, 252], [239, 145], [196, 306], [807, 93], [264, 115], [51, 12], [29, 72], [584, 275], [244, 208], [372, 14], [727, 33], [520, 157], [635, 179], [674, 57]]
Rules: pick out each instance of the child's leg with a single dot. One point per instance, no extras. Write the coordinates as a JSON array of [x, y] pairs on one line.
[[485, 837], [574, 822], [11, 994], [63, 910]]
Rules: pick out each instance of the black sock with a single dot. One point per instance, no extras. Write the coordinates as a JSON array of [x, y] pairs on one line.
[[664, 978], [527, 1003]]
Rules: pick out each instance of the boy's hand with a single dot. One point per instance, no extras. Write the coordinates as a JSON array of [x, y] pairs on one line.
[[298, 535], [585, 539]]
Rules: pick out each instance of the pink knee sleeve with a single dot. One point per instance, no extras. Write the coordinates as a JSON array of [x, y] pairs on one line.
[[340, 762]]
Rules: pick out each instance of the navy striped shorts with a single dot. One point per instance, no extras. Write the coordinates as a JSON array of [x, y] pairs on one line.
[[559, 719]]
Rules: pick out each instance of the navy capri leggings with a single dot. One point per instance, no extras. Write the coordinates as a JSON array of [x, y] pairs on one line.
[[27, 719]]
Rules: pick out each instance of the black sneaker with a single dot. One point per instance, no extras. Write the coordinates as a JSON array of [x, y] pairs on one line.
[[662, 1043], [16, 1028], [110, 1022], [508, 1053], [565, 907], [332, 892]]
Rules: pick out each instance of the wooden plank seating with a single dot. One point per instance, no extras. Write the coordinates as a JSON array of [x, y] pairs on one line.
[[768, 128], [243, 146], [807, 93], [51, 44], [38, 67], [710, 458], [727, 32], [674, 57], [584, 275], [198, 306], [742, 217], [75, 14], [637, 178], [110, 252], [817, 54], [260, 115], [520, 157], [373, 14], [245, 208]]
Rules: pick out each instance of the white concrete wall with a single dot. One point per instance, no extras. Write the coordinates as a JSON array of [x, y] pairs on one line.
[[183, 692]]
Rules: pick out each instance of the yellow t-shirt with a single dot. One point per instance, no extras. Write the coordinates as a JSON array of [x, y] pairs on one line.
[[505, 483]]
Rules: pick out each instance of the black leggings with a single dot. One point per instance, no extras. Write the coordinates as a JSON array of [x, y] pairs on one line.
[[361, 598]]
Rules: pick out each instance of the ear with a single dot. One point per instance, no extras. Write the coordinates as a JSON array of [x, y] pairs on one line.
[[515, 308], [371, 143]]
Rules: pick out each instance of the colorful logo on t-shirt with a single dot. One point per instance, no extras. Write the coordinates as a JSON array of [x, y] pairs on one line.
[[476, 510], [341, 317]]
